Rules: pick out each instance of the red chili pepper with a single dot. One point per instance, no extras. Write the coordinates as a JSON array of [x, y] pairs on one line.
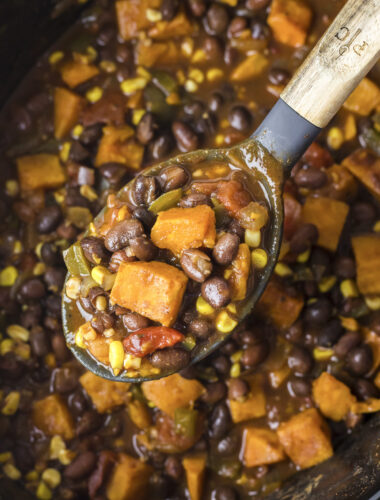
[[147, 340]]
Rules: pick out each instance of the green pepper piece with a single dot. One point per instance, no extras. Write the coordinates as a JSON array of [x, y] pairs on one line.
[[155, 101], [221, 215], [166, 201], [165, 82], [75, 261], [185, 421]]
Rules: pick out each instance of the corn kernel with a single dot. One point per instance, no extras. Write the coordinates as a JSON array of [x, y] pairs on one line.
[[189, 342], [11, 403], [373, 303], [349, 289], [39, 269], [326, 283], [187, 46], [232, 308], [133, 84], [224, 323], [235, 370], [77, 131], [116, 356], [79, 339], [236, 356], [191, 86], [57, 444], [89, 334], [66, 456], [8, 276], [282, 270], [180, 76], [94, 94], [335, 138], [143, 72], [349, 324], [32, 476], [65, 151], [52, 477], [137, 114], [259, 258], [173, 99], [376, 227], [17, 247], [12, 472], [7, 345], [196, 75], [108, 66], [56, 57], [132, 362], [214, 74], [50, 360], [219, 139], [5, 457], [43, 491], [12, 188], [103, 277], [252, 238], [199, 56], [110, 332], [153, 15], [18, 332], [204, 307], [304, 256], [72, 289], [321, 354], [88, 192], [101, 303]]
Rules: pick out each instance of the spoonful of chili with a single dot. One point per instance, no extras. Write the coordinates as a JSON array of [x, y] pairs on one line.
[[181, 254]]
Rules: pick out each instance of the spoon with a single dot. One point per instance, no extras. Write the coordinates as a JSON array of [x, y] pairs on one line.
[[333, 69]]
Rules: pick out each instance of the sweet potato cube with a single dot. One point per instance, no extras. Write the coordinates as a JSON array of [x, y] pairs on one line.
[[370, 405], [178, 229], [276, 303], [178, 26], [373, 340], [74, 73], [364, 99], [99, 348], [252, 67], [172, 392], [306, 438], [153, 289], [253, 406], [52, 416], [129, 479], [195, 466], [290, 21], [367, 255], [328, 216], [105, 394], [139, 414], [118, 145], [237, 273], [333, 398], [261, 447], [365, 166], [42, 171], [150, 54], [131, 16], [67, 107]]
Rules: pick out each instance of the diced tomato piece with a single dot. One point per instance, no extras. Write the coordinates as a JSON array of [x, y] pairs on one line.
[[147, 340]]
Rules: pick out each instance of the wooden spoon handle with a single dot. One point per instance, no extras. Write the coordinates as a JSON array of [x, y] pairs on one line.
[[342, 57]]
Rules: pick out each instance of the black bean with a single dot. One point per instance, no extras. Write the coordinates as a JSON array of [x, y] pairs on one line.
[[236, 26], [146, 128], [172, 178], [221, 364], [117, 258], [318, 312], [215, 391], [32, 289], [65, 380], [169, 9], [240, 118], [249, 337], [197, 7], [50, 254], [86, 304], [220, 421], [78, 153], [305, 236], [89, 422], [345, 267], [215, 102], [53, 305], [48, 219], [75, 199], [237, 388], [320, 262], [160, 486], [39, 342], [363, 212], [213, 48], [11, 367], [144, 216], [81, 466], [330, 333], [113, 172], [226, 249], [253, 355], [196, 264], [170, 359], [224, 493], [310, 177], [113, 426], [173, 467], [365, 389], [133, 321], [300, 387], [359, 360], [194, 109], [77, 403], [22, 119], [194, 199], [228, 445], [106, 34], [120, 234], [295, 331], [145, 190], [91, 134], [259, 30], [230, 55], [32, 316], [278, 76], [94, 250], [300, 360], [200, 327], [161, 147], [229, 348], [143, 248], [186, 139], [216, 292], [256, 5], [54, 278], [38, 103], [217, 19], [60, 349], [124, 53]]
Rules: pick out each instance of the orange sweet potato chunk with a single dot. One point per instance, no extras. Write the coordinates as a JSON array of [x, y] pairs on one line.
[[290, 21], [150, 54], [105, 394], [153, 289], [118, 145], [67, 107], [253, 406], [261, 447], [52, 416], [42, 171], [306, 438], [74, 73], [365, 166], [328, 216], [178, 229], [333, 398], [364, 99], [237, 273], [131, 16], [367, 255], [172, 392], [233, 196], [178, 26], [129, 479], [370, 405], [251, 67], [195, 466]]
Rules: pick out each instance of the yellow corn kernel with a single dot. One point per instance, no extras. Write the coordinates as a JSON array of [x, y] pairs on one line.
[[66, 456], [203, 307], [349, 324], [252, 238], [259, 258], [191, 86], [373, 302], [219, 139], [18, 332], [7, 345], [235, 370], [199, 56], [116, 356], [39, 269], [77, 131], [50, 361], [232, 308], [72, 289], [5, 457], [110, 332], [57, 444], [79, 339], [103, 277], [282, 269], [43, 491], [189, 342], [108, 66], [236, 356], [22, 350], [17, 247], [224, 323], [11, 403], [65, 151], [143, 72], [52, 477], [137, 114], [133, 84], [187, 47], [89, 334], [101, 303], [153, 15], [376, 227], [8, 276], [326, 283], [349, 289], [214, 74], [173, 99], [196, 75], [12, 472], [94, 94], [92, 53], [231, 3], [335, 138], [304, 256], [12, 187], [59, 196], [88, 192], [32, 476], [132, 362], [321, 354], [56, 57]]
